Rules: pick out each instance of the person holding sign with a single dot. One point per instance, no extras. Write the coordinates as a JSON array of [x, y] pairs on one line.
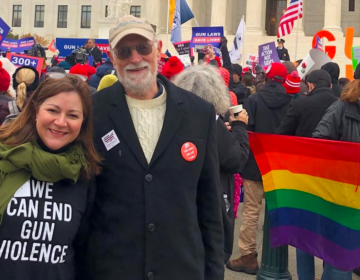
[[47, 158], [282, 51]]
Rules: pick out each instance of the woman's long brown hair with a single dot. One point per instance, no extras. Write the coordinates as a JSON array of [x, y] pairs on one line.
[[23, 128], [351, 92]]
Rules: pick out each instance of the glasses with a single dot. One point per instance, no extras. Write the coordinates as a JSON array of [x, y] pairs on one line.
[[126, 52], [58, 75]]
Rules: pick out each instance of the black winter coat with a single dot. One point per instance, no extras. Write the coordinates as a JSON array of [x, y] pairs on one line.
[[266, 108], [241, 92], [233, 149], [341, 122], [4, 107], [160, 220], [283, 54], [304, 114]]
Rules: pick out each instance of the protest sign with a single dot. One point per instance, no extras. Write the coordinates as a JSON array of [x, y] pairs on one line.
[[203, 36], [183, 48], [355, 56], [161, 64], [268, 54], [67, 45], [23, 60], [17, 46], [251, 58], [185, 59], [4, 29]]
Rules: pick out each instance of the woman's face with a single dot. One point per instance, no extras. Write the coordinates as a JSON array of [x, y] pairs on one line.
[[59, 119]]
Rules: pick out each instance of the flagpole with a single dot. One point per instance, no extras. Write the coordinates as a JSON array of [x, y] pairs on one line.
[[297, 32], [168, 23], [196, 21]]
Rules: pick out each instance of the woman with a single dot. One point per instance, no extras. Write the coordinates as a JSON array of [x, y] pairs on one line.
[[233, 148], [47, 158], [25, 81], [342, 123], [5, 96]]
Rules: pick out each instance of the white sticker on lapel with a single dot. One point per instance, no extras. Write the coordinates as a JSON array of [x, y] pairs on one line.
[[110, 140], [24, 190]]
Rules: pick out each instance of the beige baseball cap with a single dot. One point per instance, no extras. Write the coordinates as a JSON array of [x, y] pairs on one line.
[[130, 25]]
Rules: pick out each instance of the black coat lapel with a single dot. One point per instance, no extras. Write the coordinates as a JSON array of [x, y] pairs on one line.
[[173, 117], [124, 123]]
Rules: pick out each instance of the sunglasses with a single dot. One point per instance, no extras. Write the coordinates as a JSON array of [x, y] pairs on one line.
[[58, 75], [126, 52]]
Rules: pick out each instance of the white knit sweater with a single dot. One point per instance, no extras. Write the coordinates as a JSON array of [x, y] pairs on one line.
[[148, 118]]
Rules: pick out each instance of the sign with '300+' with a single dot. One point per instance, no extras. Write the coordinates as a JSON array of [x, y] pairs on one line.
[[23, 60]]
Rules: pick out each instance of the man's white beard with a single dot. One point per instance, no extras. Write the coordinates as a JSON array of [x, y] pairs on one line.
[[137, 84]]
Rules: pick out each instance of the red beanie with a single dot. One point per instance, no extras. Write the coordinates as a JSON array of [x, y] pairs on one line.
[[85, 70], [276, 72], [292, 83], [172, 67], [4, 79], [225, 75], [245, 70]]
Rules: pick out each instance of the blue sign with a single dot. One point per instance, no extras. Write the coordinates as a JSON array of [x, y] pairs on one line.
[[67, 45], [90, 60], [17, 46], [4, 29], [203, 36], [19, 60]]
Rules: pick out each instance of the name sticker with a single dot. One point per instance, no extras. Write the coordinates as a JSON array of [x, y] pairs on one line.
[[110, 140]]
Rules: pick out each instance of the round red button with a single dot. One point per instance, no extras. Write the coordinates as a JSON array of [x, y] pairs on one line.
[[189, 151]]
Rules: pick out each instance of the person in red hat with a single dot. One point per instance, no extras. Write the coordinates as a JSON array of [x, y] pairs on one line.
[[172, 67], [292, 85], [5, 97], [84, 70], [266, 108]]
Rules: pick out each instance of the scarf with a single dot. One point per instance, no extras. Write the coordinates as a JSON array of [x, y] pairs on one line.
[[18, 164]]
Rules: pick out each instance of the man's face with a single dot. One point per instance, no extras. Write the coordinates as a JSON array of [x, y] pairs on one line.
[[91, 44], [236, 78], [138, 71], [280, 45]]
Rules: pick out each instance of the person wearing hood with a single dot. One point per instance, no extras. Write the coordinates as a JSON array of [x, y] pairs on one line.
[[266, 108], [68, 62], [305, 114], [100, 73], [334, 70], [238, 88]]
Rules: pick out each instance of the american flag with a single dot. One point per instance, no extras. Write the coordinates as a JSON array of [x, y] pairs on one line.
[[319, 45], [293, 12]]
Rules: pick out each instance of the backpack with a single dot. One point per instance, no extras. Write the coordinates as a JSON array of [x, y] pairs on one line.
[[14, 112]]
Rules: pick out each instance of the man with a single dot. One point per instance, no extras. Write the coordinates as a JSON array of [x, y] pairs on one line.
[[239, 89], [334, 70], [94, 51], [282, 52], [158, 207], [304, 114], [266, 109]]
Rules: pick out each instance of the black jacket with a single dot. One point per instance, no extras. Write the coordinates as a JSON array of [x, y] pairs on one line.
[[283, 54], [341, 122], [304, 114], [334, 70], [96, 54], [160, 220], [241, 92], [4, 107], [266, 109], [233, 150]]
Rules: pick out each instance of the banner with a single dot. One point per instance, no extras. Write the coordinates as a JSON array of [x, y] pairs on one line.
[[23, 60], [355, 56], [268, 54], [238, 41], [202, 36], [17, 46], [67, 45], [183, 48], [185, 59], [4, 29]]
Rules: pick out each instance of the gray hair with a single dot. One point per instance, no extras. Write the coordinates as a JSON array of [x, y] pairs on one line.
[[205, 82]]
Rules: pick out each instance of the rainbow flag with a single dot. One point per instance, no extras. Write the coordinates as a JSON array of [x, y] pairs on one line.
[[312, 196]]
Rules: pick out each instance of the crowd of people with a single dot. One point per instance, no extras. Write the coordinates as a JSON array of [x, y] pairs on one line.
[[116, 171]]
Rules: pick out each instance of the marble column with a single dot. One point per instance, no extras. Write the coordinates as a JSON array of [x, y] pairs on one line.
[[153, 9], [218, 14], [332, 18], [255, 17]]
